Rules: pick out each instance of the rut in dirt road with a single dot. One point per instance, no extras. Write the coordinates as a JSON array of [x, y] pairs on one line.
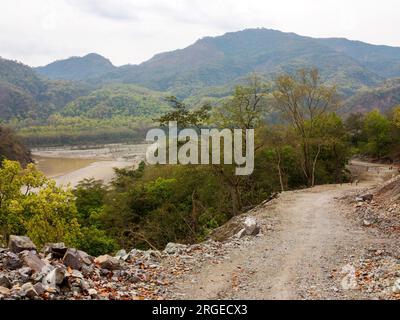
[[311, 239]]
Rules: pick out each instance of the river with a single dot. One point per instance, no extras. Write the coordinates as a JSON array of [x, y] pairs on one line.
[[69, 165]]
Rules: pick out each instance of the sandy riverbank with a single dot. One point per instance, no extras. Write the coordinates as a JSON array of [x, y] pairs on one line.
[[68, 166]]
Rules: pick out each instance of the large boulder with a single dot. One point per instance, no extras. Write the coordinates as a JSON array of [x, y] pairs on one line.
[[5, 282], [31, 260], [75, 259], [107, 262], [57, 250], [251, 226], [53, 279], [29, 290], [12, 261], [18, 244], [4, 291]]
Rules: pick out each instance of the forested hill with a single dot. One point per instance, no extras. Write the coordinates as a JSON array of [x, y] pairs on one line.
[[77, 68], [382, 97], [25, 94], [219, 60]]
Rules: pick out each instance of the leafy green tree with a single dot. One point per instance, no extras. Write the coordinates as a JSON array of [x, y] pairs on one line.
[[377, 132], [33, 205]]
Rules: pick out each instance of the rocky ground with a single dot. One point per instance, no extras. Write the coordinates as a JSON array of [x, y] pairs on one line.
[[61, 273], [376, 271]]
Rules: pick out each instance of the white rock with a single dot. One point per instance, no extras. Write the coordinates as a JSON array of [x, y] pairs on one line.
[[92, 292], [173, 248], [396, 287], [349, 281], [53, 278], [251, 226]]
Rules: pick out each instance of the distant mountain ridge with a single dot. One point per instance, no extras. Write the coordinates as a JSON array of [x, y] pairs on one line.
[[77, 68], [92, 86], [214, 61]]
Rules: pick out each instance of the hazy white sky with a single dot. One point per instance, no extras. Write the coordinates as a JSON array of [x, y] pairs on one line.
[[37, 32]]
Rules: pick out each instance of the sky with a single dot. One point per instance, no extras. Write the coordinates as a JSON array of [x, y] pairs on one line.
[[37, 32]]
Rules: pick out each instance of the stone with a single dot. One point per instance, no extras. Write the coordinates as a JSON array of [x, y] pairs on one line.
[[76, 274], [367, 197], [241, 234], [107, 262], [153, 255], [18, 244], [4, 291], [73, 259], [86, 258], [251, 226], [54, 278], [12, 261], [31, 260], [175, 248], [25, 273], [349, 281], [120, 254], [5, 282], [92, 292], [39, 288], [57, 250], [29, 290], [396, 286], [367, 223]]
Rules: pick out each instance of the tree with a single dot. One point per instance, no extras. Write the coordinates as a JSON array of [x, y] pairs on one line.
[[244, 110], [377, 130], [301, 99], [182, 114], [33, 205]]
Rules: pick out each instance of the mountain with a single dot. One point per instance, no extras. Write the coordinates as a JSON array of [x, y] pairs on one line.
[[383, 97], [25, 94], [216, 61], [382, 60], [77, 68]]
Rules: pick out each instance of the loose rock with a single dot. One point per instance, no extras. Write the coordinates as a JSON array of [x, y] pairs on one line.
[[18, 244]]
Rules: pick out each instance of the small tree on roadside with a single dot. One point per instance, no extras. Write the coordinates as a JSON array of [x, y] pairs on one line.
[[301, 99]]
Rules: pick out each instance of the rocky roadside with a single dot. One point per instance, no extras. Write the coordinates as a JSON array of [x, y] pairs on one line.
[[375, 272], [60, 273]]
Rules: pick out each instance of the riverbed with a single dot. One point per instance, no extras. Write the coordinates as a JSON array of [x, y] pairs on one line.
[[70, 165]]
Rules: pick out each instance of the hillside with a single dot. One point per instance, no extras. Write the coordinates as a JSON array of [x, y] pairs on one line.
[[24, 94], [383, 97], [118, 100], [11, 148], [77, 68]]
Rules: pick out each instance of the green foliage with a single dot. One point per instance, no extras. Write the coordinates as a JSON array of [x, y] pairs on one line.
[[184, 117], [117, 101], [33, 205]]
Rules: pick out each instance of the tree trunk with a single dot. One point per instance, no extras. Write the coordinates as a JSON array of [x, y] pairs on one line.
[[280, 172], [314, 165]]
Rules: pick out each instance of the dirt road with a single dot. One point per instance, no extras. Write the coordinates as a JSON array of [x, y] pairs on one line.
[[301, 257]]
